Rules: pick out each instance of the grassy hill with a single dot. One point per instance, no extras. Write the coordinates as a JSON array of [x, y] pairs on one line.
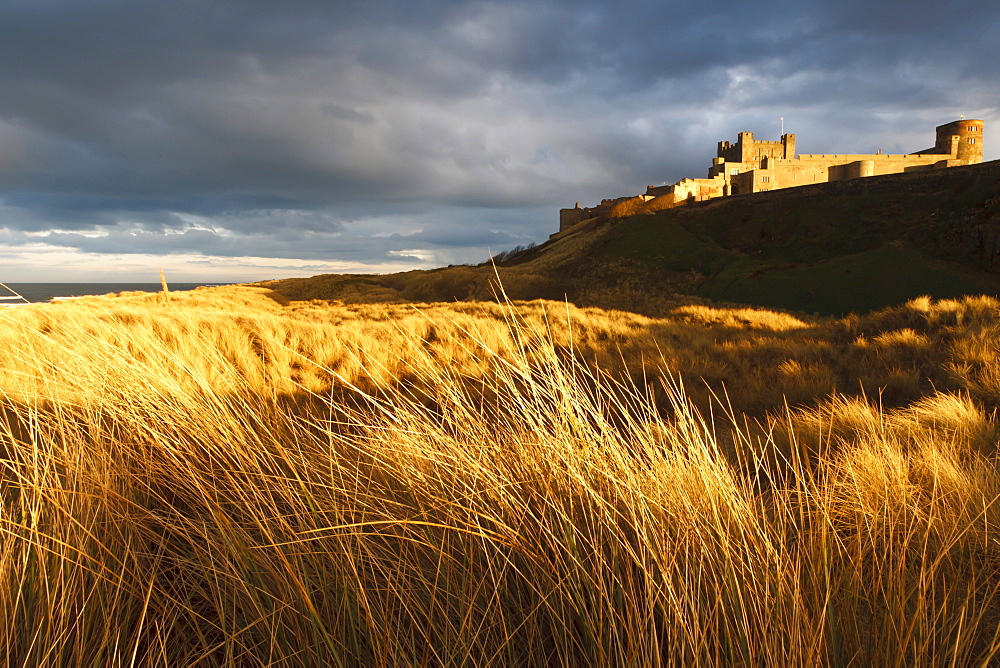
[[830, 248]]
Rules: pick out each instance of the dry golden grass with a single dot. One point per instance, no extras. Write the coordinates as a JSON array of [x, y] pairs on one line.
[[218, 478], [637, 205]]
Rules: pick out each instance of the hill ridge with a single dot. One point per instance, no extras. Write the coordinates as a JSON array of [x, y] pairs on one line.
[[828, 248]]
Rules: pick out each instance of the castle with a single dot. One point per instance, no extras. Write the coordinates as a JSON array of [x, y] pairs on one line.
[[751, 165]]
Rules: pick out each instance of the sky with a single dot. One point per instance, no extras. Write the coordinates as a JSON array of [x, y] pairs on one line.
[[247, 140]]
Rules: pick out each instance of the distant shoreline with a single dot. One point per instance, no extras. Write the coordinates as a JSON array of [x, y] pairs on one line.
[[36, 293]]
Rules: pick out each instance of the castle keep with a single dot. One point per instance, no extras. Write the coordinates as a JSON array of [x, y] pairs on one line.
[[751, 165]]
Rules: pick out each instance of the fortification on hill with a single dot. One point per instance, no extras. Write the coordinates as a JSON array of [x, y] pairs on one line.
[[752, 165]]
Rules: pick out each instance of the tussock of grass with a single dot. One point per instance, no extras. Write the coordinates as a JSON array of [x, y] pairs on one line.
[[465, 486], [242, 339]]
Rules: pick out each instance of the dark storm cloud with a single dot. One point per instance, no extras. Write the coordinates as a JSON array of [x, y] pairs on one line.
[[361, 129]]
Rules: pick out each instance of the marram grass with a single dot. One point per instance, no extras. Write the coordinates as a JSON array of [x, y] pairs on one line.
[[172, 496]]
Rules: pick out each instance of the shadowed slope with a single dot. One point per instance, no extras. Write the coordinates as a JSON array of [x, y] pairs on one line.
[[829, 248]]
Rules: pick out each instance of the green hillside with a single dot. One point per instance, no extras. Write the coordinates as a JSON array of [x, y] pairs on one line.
[[830, 248]]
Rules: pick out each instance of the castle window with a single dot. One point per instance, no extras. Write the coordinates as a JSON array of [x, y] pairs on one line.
[[972, 128], [734, 171], [765, 179], [972, 140]]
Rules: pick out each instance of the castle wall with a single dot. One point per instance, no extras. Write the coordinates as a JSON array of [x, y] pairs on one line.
[[809, 169], [754, 181], [751, 166], [696, 190], [570, 217], [797, 173], [659, 191], [721, 168]]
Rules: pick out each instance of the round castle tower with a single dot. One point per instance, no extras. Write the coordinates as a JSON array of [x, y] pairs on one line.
[[962, 139]]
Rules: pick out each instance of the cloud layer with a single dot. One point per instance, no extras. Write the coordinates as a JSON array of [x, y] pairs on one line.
[[349, 134]]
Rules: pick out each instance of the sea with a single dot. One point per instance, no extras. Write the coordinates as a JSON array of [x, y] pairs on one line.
[[34, 293]]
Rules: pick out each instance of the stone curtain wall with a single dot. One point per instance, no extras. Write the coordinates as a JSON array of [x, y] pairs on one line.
[[752, 165]]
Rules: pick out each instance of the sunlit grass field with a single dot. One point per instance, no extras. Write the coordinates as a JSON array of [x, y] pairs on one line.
[[224, 477]]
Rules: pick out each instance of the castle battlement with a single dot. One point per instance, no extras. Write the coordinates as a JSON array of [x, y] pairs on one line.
[[753, 165]]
